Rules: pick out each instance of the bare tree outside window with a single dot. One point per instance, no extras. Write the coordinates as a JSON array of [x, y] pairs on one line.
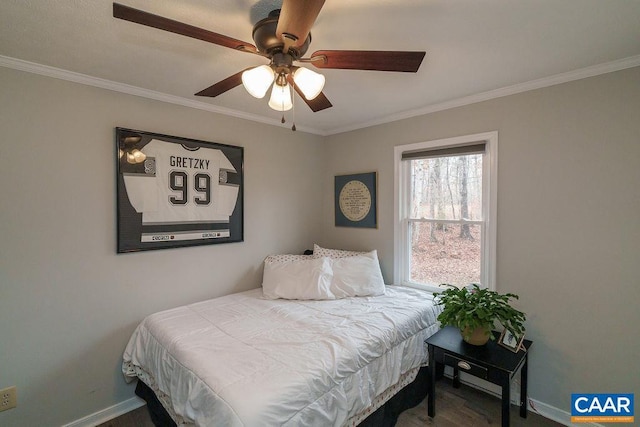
[[446, 219], [464, 200]]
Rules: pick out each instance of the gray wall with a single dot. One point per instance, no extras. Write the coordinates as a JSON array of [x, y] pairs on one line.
[[68, 302], [568, 220], [568, 233]]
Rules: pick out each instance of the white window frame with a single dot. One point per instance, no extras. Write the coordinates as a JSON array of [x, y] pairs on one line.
[[402, 244]]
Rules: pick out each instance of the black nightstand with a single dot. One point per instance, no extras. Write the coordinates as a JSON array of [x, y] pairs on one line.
[[490, 362]]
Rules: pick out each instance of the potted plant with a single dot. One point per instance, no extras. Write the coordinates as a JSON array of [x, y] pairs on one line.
[[474, 311]]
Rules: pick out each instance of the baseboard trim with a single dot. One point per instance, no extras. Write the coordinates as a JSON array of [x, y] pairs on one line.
[[535, 406], [108, 414], [555, 414]]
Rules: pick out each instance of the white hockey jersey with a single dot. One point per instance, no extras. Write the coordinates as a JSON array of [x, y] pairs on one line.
[[181, 185]]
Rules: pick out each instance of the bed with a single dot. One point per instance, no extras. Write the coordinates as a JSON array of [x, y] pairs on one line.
[[250, 359]]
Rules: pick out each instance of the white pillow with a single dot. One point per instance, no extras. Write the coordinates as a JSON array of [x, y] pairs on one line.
[[297, 279], [319, 252], [288, 257], [357, 275]]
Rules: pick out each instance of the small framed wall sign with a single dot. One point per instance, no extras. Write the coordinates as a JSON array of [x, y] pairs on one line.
[[356, 203], [174, 192], [511, 341]]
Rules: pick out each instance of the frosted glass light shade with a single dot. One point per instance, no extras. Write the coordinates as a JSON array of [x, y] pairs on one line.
[[257, 80], [281, 98], [309, 82]]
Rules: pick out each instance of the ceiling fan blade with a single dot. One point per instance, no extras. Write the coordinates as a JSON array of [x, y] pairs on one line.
[[150, 20], [297, 18], [375, 60], [318, 103], [223, 85]]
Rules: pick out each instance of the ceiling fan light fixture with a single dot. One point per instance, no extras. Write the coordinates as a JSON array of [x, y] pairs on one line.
[[257, 80], [281, 97], [283, 38], [309, 82]]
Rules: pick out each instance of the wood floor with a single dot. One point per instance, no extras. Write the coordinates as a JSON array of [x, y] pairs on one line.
[[467, 407], [464, 407]]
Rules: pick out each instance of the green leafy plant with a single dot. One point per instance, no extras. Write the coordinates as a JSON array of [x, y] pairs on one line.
[[473, 307]]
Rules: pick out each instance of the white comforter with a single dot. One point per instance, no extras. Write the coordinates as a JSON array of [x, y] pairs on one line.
[[241, 360]]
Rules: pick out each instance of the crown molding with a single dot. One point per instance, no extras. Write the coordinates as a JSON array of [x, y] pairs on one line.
[[57, 73], [84, 79], [582, 73]]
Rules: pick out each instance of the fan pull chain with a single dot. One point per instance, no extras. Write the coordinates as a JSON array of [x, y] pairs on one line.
[[293, 108], [282, 105]]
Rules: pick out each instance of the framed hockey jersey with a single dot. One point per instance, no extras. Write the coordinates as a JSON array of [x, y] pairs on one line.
[[175, 192]]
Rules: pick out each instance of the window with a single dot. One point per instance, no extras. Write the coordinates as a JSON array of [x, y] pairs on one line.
[[445, 212]]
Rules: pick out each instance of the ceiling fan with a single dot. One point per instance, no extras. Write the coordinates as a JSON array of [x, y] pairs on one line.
[[283, 37]]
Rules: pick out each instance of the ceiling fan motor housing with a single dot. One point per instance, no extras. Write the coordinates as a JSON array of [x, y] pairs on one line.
[[264, 36]]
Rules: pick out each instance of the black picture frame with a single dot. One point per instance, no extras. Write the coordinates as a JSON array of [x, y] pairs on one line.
[[356, 200], [176, 192], [511, 341]]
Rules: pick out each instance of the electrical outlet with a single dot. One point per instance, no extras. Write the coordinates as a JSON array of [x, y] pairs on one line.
[[8, 398]]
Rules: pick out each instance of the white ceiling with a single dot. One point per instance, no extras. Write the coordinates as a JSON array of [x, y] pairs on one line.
[[476, 49]]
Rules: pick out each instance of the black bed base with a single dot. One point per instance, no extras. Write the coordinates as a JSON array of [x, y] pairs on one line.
[[158, 414], [410, 396], [385, 416]]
